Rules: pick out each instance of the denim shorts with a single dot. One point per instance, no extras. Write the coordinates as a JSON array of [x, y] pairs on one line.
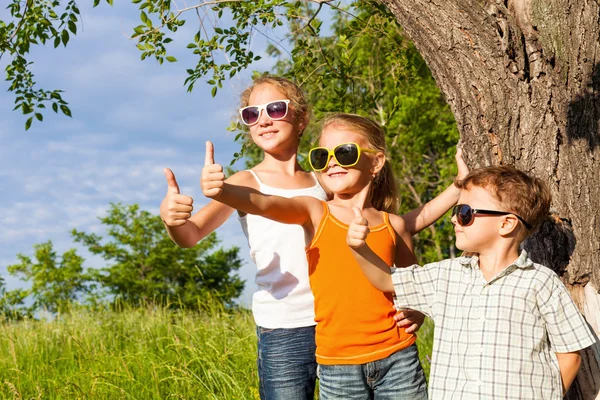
[[397, 377], [287, 368]]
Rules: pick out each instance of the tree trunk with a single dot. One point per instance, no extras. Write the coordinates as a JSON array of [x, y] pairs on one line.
[[523, 80]]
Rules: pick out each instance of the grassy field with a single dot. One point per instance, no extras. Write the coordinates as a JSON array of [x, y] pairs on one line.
[[136, 354]]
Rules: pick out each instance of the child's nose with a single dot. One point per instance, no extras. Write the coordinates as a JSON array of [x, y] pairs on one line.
[[263, 118], [332, 161]]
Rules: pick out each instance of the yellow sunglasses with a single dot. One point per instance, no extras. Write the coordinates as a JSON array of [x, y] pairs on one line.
[[345, 154]]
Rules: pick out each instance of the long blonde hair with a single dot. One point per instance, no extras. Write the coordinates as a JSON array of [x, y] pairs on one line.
[[384, 192]]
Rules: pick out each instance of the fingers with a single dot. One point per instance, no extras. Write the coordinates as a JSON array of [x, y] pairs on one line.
[[209, 158], [172, 186], [358, 229], [410, 320], [175, 208]]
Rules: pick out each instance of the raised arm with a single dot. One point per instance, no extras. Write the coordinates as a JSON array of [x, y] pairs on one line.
[[425, 215], [185, 229], [302, 210]]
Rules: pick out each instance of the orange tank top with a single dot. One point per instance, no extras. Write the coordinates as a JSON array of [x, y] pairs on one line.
[[355, 323]]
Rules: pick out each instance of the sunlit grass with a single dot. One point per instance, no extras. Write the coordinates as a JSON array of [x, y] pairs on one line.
[[133, 354], [137, 353]]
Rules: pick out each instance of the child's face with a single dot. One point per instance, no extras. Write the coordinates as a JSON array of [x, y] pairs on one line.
[[280, 136], [348, 180], [483, 231]]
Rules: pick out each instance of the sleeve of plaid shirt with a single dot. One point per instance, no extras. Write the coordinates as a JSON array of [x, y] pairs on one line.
[[415, 287], [567, 329]]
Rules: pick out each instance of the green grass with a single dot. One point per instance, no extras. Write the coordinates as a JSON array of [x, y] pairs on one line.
[[136, 354]]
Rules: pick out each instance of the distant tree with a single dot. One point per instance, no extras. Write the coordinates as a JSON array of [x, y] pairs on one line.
[[147, 267], [55, 281]]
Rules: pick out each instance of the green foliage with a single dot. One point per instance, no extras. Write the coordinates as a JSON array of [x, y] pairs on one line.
[[55, 281], [367, 66], [148, 267], [35, 23]]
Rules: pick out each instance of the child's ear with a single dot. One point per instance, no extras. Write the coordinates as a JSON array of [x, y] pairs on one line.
[[378, 163], [509, 226]]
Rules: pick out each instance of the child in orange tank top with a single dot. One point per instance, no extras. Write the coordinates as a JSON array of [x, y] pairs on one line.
[[360, 350]]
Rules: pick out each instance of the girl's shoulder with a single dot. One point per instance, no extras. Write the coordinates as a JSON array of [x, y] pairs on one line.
[[243, 178], [276, 179], [398, 223]]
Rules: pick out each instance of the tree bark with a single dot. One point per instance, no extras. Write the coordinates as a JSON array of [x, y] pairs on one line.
[[523, 80]]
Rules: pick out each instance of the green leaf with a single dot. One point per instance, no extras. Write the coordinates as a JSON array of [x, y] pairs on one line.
[[65, 110], [171, 59], [39, 117], [213, 91], [28, 123], [65, 37]]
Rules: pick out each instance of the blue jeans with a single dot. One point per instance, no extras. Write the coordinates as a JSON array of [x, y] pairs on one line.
[[397, 377], [287, 368]]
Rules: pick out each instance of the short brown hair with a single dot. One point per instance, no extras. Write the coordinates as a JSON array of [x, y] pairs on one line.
[[516, 191], [291, 90]]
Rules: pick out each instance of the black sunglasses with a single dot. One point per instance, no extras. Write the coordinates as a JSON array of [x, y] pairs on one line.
[[275, 110], [464, 214]]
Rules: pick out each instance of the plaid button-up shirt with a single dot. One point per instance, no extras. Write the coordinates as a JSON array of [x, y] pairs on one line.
[[496, 339]]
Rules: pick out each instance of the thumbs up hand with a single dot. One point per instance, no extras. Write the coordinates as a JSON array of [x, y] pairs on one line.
[[175, 208], [213, 178], [358, 230]]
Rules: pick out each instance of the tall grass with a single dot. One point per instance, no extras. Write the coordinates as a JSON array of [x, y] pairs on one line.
[[132, 354], [136, 353]]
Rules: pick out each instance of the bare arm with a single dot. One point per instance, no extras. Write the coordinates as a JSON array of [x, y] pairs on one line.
[[568, 364], [303, 210], [421, 217], [183, 228]]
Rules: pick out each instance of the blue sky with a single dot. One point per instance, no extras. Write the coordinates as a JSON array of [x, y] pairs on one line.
[[130, 120]]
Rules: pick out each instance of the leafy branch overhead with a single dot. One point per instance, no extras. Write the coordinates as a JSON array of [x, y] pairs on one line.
[[221, 52], [35, 23]]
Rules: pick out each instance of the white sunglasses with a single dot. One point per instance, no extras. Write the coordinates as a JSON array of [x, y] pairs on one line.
[[275, 110]]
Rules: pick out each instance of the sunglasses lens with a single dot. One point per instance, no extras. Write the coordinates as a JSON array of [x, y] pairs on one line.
[[319, 158], [464, 214], [250, 115], [346, 154], [277, 109]]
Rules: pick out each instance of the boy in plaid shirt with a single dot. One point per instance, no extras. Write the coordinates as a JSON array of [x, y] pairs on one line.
[[505, 327]]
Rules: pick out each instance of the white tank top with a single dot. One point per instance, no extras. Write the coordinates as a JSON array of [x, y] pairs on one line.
[[283, 298]]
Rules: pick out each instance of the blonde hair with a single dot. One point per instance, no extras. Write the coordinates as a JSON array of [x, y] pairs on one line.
[[292, 91], [517, 192], [384, 192]]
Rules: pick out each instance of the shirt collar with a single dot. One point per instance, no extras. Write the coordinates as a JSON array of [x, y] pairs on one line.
[[473, 261]]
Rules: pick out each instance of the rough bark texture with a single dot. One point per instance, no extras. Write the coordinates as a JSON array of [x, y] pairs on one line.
[[523, 80]]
